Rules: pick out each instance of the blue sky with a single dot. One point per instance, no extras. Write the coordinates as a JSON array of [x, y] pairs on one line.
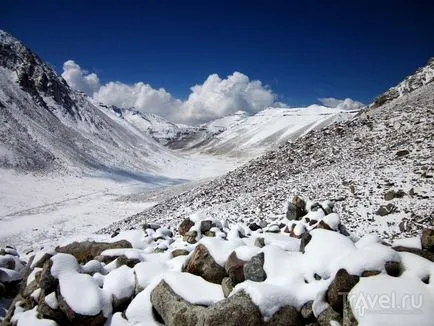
[[303, 50]]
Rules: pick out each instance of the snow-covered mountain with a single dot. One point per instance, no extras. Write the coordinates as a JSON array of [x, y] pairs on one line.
[[254, 135], [48, 126]]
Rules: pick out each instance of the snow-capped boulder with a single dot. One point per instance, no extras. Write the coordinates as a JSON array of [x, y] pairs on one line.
[[202, 263]]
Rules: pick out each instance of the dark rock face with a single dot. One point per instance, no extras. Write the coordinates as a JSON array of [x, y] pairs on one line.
[[343, 283], [254, 269], [201, 263], [87, 250]]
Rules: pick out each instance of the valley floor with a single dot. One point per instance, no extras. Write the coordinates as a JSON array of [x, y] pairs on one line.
[[44, 211]]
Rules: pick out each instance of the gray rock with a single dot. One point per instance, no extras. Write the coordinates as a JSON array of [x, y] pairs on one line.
[[327, 316], [402, 152], [185, 226], [180, 252], [306, 312], [305, 238], [427, 240], [201, 263], [234, 268], [393, 268], [88, 250], [254, 226], [285, 316], [392, 194], [254, 269], [205, 226], [234, 311], [227, 286], [190, 237], [343, 283], [259, 242], [172, 309], [47, 282]]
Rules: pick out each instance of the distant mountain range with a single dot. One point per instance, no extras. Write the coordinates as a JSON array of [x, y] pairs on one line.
[[47, 126]]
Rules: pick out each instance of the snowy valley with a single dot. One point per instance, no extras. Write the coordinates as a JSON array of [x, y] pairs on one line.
[[113, 216]]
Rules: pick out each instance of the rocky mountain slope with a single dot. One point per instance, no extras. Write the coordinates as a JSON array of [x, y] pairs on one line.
[[421, 77], [48, 126], [378, 168], [213, 272]]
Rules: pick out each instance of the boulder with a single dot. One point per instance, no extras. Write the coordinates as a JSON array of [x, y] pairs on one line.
[[201, 263], [343, 283], [427, 240], [185, 226], [206, 225], [78, 319], [47, 282], [87, 250], [234, 311], [234, 268], [172, 309], [190, 237], [285, 316], [326, 317], [254, 269]]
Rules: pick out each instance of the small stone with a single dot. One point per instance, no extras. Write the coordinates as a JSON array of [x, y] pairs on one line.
[[393, 268], [227, 286], [403, 152], [234, 268], [343, 283], [370, 273], [205, 226], [326, 317], [259, 242], [254, 269], [427, 240], [185, 226], [201, 263], [180, 252], [254, 227], [305, 238], [190, 237], [210, 234], [307, 312], [124, 260], [285, 316]]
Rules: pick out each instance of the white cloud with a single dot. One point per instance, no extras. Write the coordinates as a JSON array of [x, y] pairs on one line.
[[140, 95], [215, 98], [80, 79], [218, 97], [347, 104]]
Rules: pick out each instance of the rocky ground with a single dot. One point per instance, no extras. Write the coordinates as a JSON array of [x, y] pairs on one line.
[[209, 271], [378, 168]]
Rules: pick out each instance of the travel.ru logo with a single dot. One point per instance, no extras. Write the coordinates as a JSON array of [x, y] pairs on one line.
[[385, 303]]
